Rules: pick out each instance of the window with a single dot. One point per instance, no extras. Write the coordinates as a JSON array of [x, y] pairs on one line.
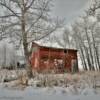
[[65, 51]]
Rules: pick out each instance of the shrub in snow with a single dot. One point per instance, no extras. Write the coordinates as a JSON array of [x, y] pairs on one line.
[[7, 55]]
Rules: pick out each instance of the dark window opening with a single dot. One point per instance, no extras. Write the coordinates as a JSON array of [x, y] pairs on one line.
[[65, 51]]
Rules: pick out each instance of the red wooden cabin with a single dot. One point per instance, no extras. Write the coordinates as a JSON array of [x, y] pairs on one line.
[[53, 59]]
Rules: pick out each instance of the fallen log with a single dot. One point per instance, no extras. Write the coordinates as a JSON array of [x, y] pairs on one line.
[[9, 79]]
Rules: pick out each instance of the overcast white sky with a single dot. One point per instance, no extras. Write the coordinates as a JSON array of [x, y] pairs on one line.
[[69, 9]]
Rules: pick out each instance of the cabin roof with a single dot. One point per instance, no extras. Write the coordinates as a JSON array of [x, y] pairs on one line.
[[53, 47]]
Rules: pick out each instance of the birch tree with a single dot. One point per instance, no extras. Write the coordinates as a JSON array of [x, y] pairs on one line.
[[88, 38]]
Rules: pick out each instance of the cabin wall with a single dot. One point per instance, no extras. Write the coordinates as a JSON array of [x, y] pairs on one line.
[[47, 59], [35, 58]]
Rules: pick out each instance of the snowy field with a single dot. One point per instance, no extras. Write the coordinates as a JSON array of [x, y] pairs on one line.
[[57, 93], [80, 86]]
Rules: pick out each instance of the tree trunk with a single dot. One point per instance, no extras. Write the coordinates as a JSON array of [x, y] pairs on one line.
[[83, 58], [90, 51], [88, 58], [28, 65], [25, 45], [96, 52], [81, 44]]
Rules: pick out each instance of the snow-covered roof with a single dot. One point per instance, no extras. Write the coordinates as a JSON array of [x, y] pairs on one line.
[[54, 45]]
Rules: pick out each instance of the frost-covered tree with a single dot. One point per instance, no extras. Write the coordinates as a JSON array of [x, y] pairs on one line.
[[25, 21], [87, 36], [7, 55]]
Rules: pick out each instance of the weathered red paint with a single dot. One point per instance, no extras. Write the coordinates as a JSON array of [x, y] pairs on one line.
[[48, 58]]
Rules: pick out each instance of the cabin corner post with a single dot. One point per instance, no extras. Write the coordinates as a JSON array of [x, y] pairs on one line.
[[74, 62], [76, 67]]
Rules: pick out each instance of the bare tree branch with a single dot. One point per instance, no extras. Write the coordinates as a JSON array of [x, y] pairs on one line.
[[9, 9], [12, 15], [31, 3]]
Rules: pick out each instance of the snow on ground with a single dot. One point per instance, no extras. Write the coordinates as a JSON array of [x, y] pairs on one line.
[[80, 86], [56, 93]]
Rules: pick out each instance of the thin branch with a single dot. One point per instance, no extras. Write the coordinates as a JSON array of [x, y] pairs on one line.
[[9, 9], [30, 4], [6, 16], [16, 2], [40, 16], [44, 35], [34, 22]]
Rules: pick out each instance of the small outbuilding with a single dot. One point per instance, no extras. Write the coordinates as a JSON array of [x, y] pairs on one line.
[[50, 59]]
